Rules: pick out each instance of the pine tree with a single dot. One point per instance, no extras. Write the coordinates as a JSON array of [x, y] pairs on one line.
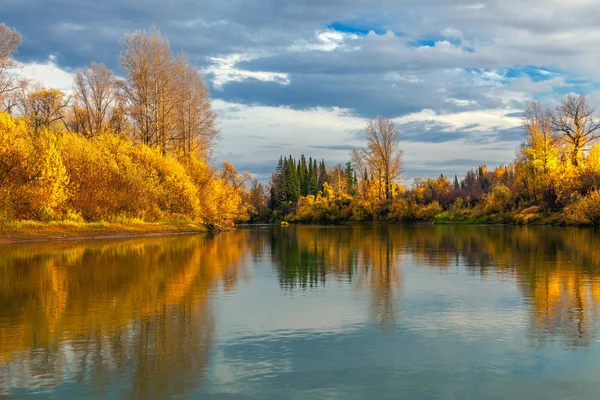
[[313, 182], [456, 184], [350, 176], [323, 177], [303, 176], [292, 182], [282, 185]]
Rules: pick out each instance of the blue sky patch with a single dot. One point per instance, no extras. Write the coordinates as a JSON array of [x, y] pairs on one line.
[[356, 27]]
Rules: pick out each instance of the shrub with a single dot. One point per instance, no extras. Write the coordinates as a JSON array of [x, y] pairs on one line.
[[585, 210]]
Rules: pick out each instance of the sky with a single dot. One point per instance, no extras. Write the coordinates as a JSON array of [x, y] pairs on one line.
[[304, 77]]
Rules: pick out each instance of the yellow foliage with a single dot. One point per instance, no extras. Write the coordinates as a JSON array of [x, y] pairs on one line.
[[586, 210], [32, 175], [54, 174], [498, 201]]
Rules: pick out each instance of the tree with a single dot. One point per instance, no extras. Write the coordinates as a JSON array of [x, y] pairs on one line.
[[313, 180], [323, 176], [151, 86], [43, 108], [97, 101], [195, 131], [577, 125], [351, 177], [9, 41], [383, 153]]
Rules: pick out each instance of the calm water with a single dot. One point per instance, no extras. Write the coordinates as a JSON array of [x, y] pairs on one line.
[[427, 312]]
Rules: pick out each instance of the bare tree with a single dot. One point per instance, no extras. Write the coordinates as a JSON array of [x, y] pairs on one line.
[[577, 125], [194, 118], [9, 41], [151, 88], [383, 154], [97, 99]]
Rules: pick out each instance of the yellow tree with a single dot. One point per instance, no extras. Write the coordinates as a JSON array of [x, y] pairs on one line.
[[539, 152], [43, 108]]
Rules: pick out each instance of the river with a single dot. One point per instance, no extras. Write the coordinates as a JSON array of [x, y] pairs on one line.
[[306, 312]]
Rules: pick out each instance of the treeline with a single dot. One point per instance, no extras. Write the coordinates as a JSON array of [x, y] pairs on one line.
[[137, 148], [554, 179]]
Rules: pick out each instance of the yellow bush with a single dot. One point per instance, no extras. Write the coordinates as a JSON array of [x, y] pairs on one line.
[[58, 175], [32, 176], [498, 201], [401, 210], [427, 212], [586, 210]]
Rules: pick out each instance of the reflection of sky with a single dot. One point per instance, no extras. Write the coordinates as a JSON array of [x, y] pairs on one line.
[[458, 336]]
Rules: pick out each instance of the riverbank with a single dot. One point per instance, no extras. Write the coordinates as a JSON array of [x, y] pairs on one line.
[[33, 231]]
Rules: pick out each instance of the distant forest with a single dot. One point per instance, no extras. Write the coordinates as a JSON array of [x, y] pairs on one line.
[[554, 179]]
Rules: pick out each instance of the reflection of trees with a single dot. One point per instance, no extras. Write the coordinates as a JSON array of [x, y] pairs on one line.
[[107, 308], [306, 256], [557, 270]]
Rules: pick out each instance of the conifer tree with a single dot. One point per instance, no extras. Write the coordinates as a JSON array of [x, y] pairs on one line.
[[350, 176], [292, 181], [323, 177], [313, 182]]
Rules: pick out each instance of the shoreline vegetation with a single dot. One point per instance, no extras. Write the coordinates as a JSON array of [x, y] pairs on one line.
[[554, 179], [34, 231], [129, 155], [134, 156]]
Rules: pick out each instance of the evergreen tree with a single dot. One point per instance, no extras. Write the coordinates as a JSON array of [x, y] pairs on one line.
[[323, 177], [282, 185], [303, 178], [292, 182], [313, 182], [350, 176], [456, 184]]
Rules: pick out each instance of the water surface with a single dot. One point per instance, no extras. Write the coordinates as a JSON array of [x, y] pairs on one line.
[[304, 312]]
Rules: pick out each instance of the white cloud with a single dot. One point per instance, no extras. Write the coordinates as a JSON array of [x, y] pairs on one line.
[[224, 70], [48, 74]]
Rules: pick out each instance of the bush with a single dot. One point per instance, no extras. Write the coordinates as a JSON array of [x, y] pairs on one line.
[[427, 212], [585, 210]]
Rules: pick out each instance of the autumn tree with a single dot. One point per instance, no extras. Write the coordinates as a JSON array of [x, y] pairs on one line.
[[9, 41], [577, 124], [97, 101], [195, 132], [43, 108], [383, 154], [151, 86]]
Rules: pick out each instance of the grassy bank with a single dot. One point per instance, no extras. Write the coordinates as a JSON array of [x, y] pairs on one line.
[[28, 231]]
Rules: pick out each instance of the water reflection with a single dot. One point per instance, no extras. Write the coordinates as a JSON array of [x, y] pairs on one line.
[[370, 258], [134, 309], [557, 270], [139, 318]]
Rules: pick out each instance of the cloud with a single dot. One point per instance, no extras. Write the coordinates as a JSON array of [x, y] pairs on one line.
[[305, 76]]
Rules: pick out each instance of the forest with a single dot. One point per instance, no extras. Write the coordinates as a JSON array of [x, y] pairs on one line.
[[139, 148], [554, 179]]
